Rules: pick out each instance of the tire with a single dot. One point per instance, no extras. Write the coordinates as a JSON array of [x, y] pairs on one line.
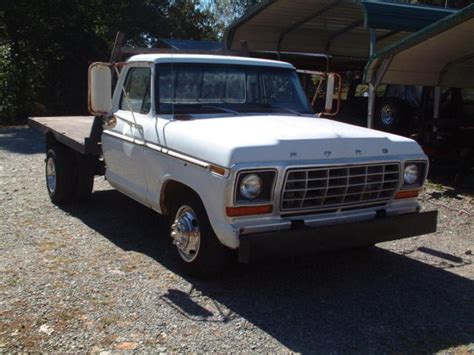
[[85, 180], [391, 115], [60, 177], [199, 258]]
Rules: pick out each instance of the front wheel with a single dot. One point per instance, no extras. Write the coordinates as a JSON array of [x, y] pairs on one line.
[[198, 251]]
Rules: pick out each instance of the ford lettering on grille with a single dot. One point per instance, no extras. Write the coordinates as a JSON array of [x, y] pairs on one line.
[[337, 187]]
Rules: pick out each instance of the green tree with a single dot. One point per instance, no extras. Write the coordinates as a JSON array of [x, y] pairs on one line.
[[47, 45], [227, 11]]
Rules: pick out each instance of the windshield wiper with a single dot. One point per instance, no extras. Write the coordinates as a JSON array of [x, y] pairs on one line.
[[270, 105], [189, 107], [228, 110], [286, 109]]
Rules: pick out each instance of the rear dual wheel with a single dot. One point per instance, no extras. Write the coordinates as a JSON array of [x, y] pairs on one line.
[[68, 178]]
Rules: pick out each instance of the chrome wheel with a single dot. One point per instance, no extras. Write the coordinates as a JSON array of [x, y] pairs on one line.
[[388, 116], [51, 175], [186, 233]]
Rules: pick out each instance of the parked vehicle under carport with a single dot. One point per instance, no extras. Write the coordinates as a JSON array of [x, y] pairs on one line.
[[439, 57], [347, 33], [396, 106]]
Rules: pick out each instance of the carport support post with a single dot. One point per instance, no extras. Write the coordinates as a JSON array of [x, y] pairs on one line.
[[437, 99], [370, 111], [372, 86]]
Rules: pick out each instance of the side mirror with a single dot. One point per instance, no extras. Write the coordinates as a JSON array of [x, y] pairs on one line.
[[331, 80], [100, 89]]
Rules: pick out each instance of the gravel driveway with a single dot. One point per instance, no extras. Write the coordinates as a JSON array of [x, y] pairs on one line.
[[98, 276]]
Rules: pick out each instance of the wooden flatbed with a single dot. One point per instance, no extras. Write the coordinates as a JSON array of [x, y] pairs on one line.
[[80, 133]]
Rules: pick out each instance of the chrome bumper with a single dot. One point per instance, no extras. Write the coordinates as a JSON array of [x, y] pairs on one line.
[[278, 223]]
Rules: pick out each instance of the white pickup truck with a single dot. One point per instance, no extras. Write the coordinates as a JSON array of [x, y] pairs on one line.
[[229, 148]]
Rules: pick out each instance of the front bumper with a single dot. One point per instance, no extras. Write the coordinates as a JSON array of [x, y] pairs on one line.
[[306, 240]]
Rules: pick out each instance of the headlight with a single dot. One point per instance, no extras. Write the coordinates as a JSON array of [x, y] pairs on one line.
[[410, 174], [251, 186]]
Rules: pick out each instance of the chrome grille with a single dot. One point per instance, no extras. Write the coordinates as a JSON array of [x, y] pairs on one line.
[[339, 186]]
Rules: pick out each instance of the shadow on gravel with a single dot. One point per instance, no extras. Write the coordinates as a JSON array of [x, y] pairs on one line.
[[446, 177], [21, 140], [372, 301]]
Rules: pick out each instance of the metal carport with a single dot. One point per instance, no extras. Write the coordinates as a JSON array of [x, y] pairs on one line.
[[347, 30], [441, 54]]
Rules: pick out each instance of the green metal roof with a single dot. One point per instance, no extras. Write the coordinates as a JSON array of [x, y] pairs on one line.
[[401, 17], [441, 54], [335, 27]]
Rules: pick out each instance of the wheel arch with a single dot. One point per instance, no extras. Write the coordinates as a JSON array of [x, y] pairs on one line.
[[171, 188]]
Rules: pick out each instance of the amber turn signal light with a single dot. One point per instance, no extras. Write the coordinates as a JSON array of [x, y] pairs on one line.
[[407, 194], [248, 210], [218, 170]]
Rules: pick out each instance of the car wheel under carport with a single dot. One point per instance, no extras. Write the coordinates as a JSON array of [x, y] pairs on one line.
[[391, 115]]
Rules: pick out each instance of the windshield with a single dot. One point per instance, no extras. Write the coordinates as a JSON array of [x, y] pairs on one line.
[[186, 88]]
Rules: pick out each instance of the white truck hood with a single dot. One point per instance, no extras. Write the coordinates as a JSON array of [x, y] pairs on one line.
[[226, 141]]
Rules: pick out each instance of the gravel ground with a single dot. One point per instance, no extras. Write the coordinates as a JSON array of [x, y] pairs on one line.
[[99, 277]]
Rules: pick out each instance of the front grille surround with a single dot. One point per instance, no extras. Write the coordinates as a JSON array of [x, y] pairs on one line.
[[338, 187]]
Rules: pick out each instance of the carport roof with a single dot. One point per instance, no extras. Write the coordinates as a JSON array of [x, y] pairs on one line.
[[442, 54], [335, 27]]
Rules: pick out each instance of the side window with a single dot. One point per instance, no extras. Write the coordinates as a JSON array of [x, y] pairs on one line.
[[362, 90], [345, 90], [381, 90], [137, 87]]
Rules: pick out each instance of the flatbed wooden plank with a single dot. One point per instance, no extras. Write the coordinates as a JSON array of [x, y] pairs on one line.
[[75, 132]]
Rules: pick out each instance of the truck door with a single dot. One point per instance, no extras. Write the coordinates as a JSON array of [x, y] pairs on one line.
[[123, 144]]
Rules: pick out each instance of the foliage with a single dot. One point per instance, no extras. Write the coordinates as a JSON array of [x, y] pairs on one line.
[[47, 45], [7, 98], [227, 11]]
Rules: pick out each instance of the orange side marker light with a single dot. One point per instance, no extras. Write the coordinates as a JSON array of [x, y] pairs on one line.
[[248, 210]]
